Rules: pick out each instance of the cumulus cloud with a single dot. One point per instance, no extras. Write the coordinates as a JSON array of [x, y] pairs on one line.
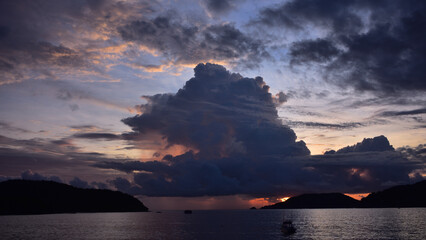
[[219, 113], [230, 126], [371, 164], [379, 143], [236, 144], [370, 52], [365, 171], [361, 171], [281, 98]]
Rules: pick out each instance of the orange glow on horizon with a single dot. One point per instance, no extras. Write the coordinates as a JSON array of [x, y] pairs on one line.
[[357, 196], [259, 202], [284, 199]]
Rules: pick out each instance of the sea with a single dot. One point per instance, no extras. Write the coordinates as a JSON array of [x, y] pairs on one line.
[[388, 223]]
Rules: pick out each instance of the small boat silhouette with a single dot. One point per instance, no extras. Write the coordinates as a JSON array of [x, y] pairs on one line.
[[187, 211], [287, 228]]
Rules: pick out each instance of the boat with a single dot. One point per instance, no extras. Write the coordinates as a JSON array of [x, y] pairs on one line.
[[287, 228], [187, 211]]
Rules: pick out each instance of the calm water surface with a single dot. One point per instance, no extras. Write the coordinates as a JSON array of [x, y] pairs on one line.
[[408, 223]]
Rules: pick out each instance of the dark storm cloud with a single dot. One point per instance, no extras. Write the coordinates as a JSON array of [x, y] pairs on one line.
[[365, 171], [364, 47], [219, 113], [232, 126], [185, 43], [188, 175], [369, 165], [220, 6], [362, 171], [384, 59], [319, 50], [239, 146], [337, 15]]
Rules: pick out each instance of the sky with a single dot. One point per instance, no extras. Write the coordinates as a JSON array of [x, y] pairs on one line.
[[208, 104]]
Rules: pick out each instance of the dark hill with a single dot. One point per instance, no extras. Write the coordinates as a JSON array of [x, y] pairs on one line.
[[399, 196], [320, 200], [45, 197]]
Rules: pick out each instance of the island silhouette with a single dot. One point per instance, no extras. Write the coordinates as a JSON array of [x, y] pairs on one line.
[[413, 195], [22, 197], [47, 197]]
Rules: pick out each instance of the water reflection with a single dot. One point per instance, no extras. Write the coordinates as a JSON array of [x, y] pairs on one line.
[[244, 224]]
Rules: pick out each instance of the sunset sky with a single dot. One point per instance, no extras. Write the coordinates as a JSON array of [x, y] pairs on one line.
[[214, 104]]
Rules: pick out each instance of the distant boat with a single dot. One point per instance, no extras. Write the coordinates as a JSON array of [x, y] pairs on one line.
[[187, 211], [287, 228]]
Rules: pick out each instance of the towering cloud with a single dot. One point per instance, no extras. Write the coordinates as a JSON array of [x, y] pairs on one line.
[[219, 114], [236, 144], [231, 125]]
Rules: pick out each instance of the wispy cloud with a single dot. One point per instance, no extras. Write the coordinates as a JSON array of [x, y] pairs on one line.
[[335, 126], [4, 126], [403, 113]]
